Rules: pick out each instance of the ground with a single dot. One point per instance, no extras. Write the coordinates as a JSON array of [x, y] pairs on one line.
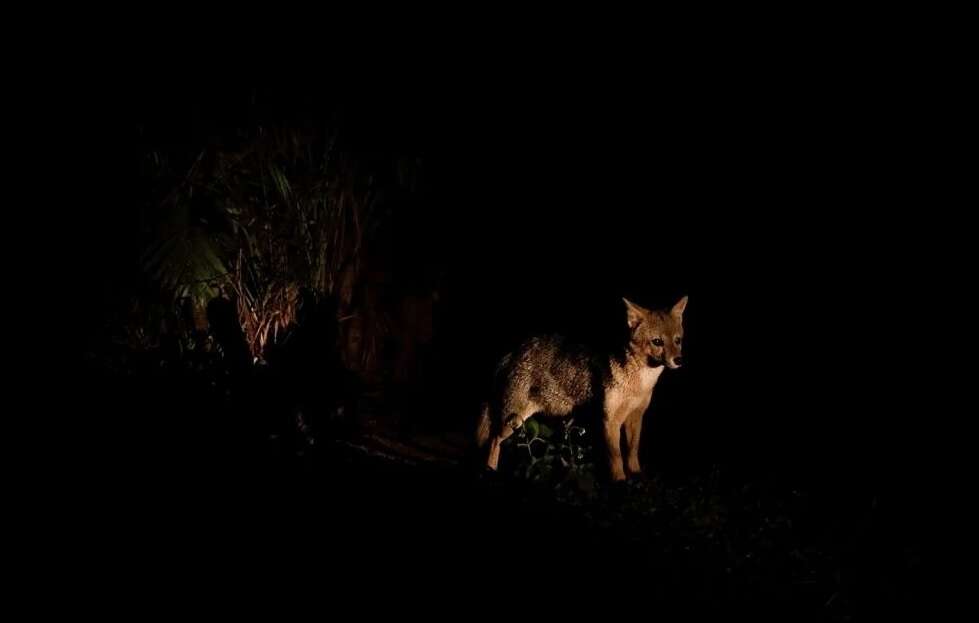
[[218, 490]]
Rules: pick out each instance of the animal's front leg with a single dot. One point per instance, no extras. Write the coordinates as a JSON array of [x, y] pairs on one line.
[[633, 429], [612, 440]]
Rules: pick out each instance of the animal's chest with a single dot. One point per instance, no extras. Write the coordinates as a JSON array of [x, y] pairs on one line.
[[632, 390], [647, 379]]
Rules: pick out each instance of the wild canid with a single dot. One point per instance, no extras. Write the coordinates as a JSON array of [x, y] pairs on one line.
[[552, 376]]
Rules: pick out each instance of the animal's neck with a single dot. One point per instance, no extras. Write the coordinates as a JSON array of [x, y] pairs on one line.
[[634, 360], [634, 373]]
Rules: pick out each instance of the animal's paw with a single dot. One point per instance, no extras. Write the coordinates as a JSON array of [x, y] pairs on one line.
[[488, 474], [618, 490]]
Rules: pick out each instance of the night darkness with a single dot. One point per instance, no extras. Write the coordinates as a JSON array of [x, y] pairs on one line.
[[783, 472]]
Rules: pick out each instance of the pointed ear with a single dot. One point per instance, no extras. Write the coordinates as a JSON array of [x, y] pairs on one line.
[[677, 311], [634, 313]]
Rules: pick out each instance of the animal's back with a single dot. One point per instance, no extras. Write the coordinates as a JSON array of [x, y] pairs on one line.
[[551, 373]]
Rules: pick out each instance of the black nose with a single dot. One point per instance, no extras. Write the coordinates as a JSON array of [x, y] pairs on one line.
[[678, 361]]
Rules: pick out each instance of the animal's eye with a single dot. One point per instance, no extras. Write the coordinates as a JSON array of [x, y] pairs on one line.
[[657, 341], [679, 339]]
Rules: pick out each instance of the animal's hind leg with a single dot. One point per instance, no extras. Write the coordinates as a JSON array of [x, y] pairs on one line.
[[510, 425], [493, 459]]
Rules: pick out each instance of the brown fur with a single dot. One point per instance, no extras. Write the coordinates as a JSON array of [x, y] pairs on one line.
[[553, 376]]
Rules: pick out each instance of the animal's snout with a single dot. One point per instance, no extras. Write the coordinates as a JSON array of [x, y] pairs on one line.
[[677, 362]]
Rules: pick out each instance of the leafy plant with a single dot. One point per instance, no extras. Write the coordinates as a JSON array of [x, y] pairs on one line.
[[555, 456], [260, 218]]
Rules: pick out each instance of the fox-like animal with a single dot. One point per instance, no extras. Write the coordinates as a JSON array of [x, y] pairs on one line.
[[552, 376]]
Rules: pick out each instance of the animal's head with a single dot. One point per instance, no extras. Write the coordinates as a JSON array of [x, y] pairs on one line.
[[657, 334]]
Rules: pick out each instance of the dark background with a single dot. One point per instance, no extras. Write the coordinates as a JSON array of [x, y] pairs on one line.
[[788, 201], [786, 205]]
